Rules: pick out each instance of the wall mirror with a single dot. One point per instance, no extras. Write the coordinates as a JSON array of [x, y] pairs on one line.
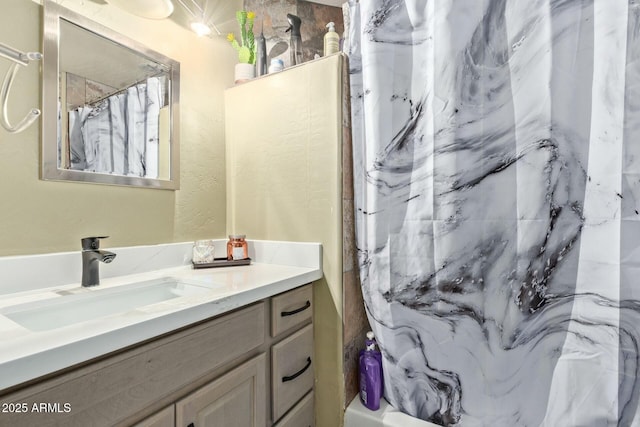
[[110, 106]]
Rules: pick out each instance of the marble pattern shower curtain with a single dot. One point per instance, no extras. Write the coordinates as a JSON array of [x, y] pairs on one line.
[[497, 194], [120, 133]]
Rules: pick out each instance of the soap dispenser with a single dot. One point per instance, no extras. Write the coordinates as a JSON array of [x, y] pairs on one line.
[[331, 40]]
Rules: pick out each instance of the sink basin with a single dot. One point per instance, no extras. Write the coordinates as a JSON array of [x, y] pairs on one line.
[[93, 303]]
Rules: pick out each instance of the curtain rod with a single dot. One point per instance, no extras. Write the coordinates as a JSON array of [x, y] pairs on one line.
[[17, 56]]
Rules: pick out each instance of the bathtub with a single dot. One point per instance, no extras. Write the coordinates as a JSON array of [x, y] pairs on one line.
[[357, 415]]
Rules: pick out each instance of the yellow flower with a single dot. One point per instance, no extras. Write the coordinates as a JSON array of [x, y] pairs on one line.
[[251, 15], [230, 37]]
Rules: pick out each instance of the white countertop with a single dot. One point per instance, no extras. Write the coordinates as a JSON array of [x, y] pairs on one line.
[[26, 355]]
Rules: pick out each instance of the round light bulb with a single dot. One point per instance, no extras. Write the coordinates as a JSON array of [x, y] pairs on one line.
[[200, 29]]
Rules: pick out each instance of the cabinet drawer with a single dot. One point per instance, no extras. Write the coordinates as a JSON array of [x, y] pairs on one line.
[[291, 309], [292, 369], [301, 415]]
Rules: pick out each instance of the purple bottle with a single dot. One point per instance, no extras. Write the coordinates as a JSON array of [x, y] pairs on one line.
[[371, 374]]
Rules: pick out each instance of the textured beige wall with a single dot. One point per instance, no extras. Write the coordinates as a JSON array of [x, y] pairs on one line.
[[45, 216], [284, 181]]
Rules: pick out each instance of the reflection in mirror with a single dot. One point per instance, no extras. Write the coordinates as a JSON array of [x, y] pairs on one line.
[[110, 111]]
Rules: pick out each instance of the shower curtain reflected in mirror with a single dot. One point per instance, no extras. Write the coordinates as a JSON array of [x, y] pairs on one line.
[[120, 133], [497, 193]]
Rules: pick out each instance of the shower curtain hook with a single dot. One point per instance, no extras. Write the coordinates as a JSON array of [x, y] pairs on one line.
[[4, 95]]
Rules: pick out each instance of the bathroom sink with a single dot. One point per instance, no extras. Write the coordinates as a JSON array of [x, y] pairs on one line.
[[88, 304]]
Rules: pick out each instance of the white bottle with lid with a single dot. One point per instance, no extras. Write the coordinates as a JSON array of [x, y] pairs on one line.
[[331, 40], [276, 65]]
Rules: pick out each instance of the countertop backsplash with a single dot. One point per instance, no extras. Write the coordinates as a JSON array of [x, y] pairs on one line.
[[32, 272]]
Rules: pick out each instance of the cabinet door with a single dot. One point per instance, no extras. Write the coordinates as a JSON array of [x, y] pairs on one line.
[[237, 399], [164, 418]]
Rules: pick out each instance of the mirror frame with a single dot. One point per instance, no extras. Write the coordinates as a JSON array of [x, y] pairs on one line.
[[53, 14]]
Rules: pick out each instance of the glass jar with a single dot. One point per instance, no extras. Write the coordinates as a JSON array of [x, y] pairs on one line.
[[203, 252], [237, 247]]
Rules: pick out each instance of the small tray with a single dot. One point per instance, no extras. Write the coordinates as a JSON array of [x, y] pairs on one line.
[[223, 262]]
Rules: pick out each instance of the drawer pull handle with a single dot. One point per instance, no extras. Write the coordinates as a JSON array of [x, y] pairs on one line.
[[297, 374], [296, 311]]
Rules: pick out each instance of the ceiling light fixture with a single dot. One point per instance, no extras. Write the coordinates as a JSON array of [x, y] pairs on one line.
[[200, 28], [200, 25]]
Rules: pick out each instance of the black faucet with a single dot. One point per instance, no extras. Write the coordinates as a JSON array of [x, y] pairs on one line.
[[91, 258]]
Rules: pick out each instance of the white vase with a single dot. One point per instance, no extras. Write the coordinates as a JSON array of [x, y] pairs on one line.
[[245, 72]]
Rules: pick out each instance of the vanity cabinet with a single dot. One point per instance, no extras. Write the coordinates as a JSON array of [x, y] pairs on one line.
[[215, 373]]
